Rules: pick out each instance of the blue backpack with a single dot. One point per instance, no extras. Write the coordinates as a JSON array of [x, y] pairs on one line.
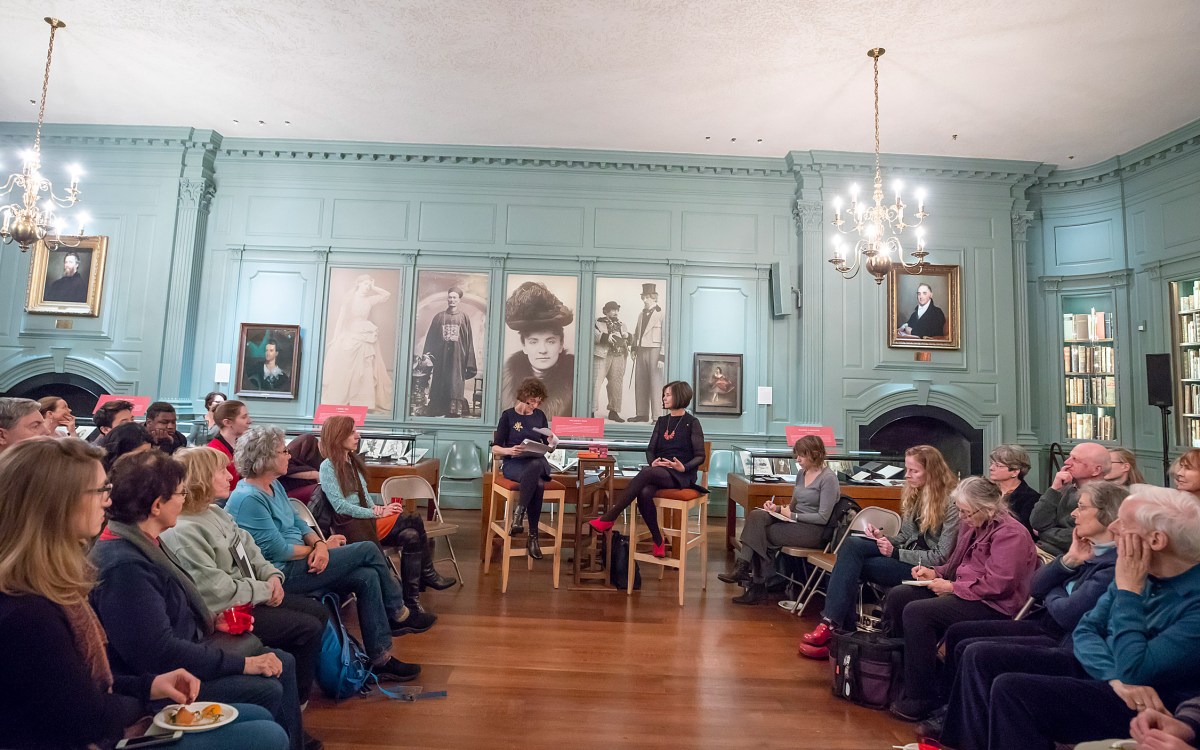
[[343, 668]]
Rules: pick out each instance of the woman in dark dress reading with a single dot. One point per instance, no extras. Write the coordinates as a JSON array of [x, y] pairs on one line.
[[530, 469], [675, 452]]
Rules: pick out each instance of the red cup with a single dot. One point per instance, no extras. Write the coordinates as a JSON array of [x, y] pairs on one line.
[[239, 619]]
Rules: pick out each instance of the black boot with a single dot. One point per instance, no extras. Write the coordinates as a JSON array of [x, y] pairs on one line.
[[518, 522], [429, 574], [740, 574], [535, 551], [410, 580], [755, 593]]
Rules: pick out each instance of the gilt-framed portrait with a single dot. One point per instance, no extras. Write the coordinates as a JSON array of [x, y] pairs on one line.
[[925, 310], [67, 279], [268, 361], [718, 384]]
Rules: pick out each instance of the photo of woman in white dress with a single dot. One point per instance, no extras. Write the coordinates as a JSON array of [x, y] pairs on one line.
[[360, 339]]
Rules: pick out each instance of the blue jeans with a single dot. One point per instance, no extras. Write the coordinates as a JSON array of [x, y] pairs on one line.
[[276, 695], [858, 562], [360, 568], [253, 727]]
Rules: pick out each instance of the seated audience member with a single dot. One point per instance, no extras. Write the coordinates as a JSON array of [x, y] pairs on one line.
[[160, 423], [212, 400], [314, 566], [233, 419], [1051, 517], [763, 534], [58, 685], [20, 419], [130, 437], [1007, 466], [57, 415], [927, 536], [112, 414], [1155, 729], [1067, 588], [530, 470], [1185, 471], [155, 617], [985, 578], [230, 571], [1138, 645], [304, 472], [345, 486], [1124, 469]]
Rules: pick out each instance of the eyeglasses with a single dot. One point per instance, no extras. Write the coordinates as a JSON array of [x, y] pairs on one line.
[[1081, 506], [284, 452], [1115, 461], [101, 490], [180, 493]]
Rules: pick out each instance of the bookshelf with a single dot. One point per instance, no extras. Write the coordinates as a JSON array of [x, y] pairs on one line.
[[1090, 368], [1185, 358]]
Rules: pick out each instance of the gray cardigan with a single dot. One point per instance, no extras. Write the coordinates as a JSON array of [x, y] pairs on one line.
[[204, 544], [928, 549], [814, 503]]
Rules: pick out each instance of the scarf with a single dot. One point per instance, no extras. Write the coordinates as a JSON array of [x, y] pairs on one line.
[[91, 642], [162, 557]]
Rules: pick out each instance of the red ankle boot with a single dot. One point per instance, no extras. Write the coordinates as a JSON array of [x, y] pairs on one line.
[[819, 636], [601, 525], [814, 652], [660, 550]]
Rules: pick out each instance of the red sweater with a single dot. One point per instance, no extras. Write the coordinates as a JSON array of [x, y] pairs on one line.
[[993, 564], [219, 443]]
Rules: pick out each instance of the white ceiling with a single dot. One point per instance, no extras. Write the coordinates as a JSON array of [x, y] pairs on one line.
[[1042, 80]]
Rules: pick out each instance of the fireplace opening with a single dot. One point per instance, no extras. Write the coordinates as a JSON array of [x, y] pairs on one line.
[[898, 430], [80, 393]]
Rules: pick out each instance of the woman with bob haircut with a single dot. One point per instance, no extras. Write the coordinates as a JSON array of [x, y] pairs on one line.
[[986, 577], [812, 504], [344, 482], [1186, 472], [60, 687], [927, 535], [230, 571], [154, 614], [315, 566], [675, 452], [525, 421], [1008, 465]]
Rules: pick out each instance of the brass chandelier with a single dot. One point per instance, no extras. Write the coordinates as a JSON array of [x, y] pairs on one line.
[[877, 227], [27, 222]]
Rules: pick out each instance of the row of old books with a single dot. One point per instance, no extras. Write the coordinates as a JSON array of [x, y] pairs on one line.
[[1193, 429], [1098, 426], [1190, 397], [1189, 302], [1097, 391], [1189, 327], [1092, 326], [1088, 359], [1189, 364]]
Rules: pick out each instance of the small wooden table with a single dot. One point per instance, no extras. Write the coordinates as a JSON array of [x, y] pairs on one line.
[[590, 568], [750, 495]]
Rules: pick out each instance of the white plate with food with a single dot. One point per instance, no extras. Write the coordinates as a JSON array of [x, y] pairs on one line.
[[200, 716]]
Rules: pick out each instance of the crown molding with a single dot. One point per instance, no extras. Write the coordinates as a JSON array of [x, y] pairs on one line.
[[861, 164], [111, 136], [1166, 149]]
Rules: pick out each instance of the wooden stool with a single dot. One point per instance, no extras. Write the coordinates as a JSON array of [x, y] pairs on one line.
[[682, 502], [509, 492]]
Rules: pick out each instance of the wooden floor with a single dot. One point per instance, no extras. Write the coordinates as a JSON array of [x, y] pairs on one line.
[[538, 668]]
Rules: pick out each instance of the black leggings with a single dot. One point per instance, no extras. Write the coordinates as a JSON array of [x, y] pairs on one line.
[[643, 488], [408, 534], [531, 475]]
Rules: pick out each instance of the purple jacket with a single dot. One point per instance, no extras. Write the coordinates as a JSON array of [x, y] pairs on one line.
[[992, 563]]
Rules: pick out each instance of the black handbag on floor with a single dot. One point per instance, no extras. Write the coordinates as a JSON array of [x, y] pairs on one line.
[[868, 668], [619, 572]]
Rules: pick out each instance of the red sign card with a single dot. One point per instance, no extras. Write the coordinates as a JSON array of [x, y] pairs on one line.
[[579, 427], [795, 432], [140, 403], [325, 411]]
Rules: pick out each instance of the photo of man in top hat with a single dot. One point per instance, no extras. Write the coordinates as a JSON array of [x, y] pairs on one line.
[[611, 340], [649, 357]]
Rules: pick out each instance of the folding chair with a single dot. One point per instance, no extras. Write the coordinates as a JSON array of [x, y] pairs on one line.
[[823, 562], [417, 489], [839, 519]]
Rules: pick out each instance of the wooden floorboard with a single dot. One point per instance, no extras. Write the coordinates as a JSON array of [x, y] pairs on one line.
[[541, 669]]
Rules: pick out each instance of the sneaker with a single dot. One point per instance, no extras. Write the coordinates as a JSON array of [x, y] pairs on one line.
[[819, 636], [814, 652], [416, 622], [394, 669]]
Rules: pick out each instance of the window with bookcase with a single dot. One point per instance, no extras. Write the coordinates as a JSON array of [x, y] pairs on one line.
[[1090, 368], [1185, 358]]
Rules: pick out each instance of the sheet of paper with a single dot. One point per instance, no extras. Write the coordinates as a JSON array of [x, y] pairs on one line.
[[861, 476], [221, 375], [888, 472], [532, 447], [764, 395], [780, 516]]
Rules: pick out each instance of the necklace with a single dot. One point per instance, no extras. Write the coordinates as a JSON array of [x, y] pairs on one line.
[[669, 434]]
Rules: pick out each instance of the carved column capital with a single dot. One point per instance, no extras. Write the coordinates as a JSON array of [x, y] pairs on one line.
[[1020, 225], [196, 194], [587, 264], [807, 214], [677, 268], [497, 261]]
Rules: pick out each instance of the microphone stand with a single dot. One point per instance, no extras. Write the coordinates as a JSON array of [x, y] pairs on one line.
[[1166, 412]]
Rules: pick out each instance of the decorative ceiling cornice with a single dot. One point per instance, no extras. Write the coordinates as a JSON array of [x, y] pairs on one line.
[[1159, 152]]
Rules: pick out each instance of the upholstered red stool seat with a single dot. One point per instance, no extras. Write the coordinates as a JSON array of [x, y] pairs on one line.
[[683, 494], [509, 484]]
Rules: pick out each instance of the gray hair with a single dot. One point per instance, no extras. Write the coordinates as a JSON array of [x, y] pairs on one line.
[[255, 452], [1107, 497], [13, 410], [1176, 514], [1012, 456], [980, 494]]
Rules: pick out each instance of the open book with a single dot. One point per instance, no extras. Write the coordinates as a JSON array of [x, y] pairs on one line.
[[781, 516]]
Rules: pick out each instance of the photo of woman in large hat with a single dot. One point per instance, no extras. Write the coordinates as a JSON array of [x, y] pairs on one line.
[[539, 317]]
